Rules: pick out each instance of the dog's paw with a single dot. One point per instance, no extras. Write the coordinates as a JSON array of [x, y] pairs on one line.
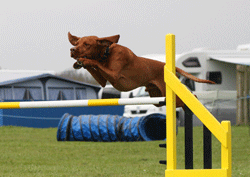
[[76, 65], [87, 62]]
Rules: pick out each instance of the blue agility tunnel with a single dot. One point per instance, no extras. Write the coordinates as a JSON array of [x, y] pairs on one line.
[[111, 128]]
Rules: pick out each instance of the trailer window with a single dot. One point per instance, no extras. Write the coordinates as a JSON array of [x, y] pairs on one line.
[[191, 62], [215, 76]]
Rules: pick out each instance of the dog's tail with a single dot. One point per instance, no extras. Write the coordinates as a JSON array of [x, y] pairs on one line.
[[190, 76]]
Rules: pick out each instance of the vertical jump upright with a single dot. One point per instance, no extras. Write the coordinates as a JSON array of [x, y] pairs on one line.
[[170, 105], [222, 131]]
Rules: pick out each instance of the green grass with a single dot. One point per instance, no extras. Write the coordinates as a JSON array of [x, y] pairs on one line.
[[36, 152]]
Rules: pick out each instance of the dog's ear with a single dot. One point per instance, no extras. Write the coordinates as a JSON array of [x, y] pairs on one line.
[[107, 41], [73, 39]]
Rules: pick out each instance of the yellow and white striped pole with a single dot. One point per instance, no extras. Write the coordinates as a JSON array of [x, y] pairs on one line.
[[80, 103]]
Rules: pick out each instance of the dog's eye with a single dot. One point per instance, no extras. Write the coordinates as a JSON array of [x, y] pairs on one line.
[[87, 45]]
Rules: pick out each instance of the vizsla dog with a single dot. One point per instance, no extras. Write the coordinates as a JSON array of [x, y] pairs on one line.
[[108, 61]]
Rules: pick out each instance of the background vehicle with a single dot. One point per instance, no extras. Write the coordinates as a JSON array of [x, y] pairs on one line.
[[216, 65], [110, 92], [142, 110]]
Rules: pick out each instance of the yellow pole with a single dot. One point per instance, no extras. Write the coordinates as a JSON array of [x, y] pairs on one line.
[[226, 152], [221, 131], [171, 105]]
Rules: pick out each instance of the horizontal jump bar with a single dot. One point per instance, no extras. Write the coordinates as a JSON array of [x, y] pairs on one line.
[[80, 103]]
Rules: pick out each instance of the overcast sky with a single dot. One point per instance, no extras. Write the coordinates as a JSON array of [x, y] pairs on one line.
[[33, 34]]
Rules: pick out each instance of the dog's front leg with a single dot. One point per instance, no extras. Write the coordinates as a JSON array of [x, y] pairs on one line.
[[96, 74], [111, 75], [87, 62]]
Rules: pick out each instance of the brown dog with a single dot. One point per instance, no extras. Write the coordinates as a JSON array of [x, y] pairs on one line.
[[108, 61]]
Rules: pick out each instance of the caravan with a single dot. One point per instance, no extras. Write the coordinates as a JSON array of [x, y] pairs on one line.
[[216, 65]]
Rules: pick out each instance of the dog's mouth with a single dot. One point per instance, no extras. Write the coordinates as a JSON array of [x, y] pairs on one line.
[[73, 55], [78, 57]]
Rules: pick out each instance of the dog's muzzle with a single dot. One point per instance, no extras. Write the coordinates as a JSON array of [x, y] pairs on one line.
[[73, 52]]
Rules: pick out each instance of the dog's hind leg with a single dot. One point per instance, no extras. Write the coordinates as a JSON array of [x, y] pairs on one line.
[[155, 91]]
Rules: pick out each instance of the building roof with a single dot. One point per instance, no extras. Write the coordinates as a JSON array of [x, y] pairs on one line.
[[230, 59], [241, 57], [6, 74], [40, 76]]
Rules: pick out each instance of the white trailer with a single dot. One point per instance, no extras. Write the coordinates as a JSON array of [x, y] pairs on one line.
[[216, 65]]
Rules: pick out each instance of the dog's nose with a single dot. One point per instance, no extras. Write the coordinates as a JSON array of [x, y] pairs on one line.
[[73, 49]]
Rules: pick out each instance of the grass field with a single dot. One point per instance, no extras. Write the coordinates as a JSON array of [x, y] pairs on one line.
[[36, 152]]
